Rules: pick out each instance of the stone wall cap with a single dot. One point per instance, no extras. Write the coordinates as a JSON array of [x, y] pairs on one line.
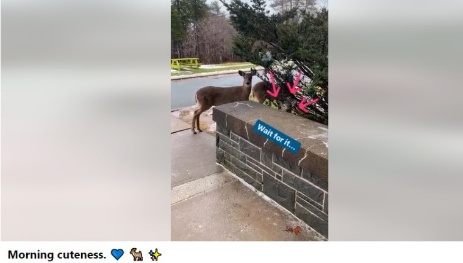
[[312, 135]]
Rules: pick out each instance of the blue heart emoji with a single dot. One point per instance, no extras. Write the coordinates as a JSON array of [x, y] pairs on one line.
[[117, 253]]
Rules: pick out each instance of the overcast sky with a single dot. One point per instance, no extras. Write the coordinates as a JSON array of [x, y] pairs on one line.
[[228, 1], [248, 1]]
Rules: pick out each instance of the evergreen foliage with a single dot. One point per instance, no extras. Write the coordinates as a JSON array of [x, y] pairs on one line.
[[285, 44]]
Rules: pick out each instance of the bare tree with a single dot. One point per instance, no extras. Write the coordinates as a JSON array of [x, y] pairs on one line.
[[215, 36], [278, 5], [216, 9]]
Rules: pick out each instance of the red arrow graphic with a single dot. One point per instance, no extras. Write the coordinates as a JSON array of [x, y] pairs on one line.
[[293, 89], [275, 92], [302, 105]]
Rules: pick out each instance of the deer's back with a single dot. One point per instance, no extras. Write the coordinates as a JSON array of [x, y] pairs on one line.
[[218, 95], [258, 91]]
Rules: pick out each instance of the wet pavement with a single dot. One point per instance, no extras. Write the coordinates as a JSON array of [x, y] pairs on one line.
[[210, 204], [183, 91], [177, 125], [192, 157]]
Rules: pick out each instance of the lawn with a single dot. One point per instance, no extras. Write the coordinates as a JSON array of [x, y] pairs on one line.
[[213, 68]]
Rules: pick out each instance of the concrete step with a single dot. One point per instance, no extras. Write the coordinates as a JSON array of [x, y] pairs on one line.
[[209, 203], [185, 191], [230, 211]]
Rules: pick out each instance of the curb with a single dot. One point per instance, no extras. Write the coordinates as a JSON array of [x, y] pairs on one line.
[[183, 108]]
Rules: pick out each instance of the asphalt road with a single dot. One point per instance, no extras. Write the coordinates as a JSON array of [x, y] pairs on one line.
[[183, 91]]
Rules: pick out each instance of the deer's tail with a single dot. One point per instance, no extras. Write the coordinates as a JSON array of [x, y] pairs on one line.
[[196, 100]]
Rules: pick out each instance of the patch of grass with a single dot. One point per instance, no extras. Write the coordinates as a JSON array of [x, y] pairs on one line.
[[233, 64], [266, 102], [228, 66]]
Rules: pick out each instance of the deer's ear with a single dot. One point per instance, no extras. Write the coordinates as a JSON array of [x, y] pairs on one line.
[[240, 72]]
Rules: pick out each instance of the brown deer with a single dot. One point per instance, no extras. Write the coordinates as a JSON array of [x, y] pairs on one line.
[[214, 96], [259, 92]]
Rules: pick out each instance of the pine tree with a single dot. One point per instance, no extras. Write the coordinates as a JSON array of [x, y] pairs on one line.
[[185, 15], [176, 27], [285, 44], [177, 31]]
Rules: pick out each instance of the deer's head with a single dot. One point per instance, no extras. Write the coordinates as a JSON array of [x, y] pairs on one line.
[[247, 77]]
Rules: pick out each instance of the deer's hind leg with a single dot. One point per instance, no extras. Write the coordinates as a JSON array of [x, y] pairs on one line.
[[197, 122], [195, 115], [200, 110]]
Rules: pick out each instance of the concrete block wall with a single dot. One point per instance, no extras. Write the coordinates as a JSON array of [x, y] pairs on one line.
[[298, 182]]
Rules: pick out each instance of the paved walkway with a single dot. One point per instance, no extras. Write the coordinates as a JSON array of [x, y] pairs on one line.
[[209, 203]]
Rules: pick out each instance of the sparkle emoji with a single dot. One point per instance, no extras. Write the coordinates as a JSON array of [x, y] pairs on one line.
[[154, 255]]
